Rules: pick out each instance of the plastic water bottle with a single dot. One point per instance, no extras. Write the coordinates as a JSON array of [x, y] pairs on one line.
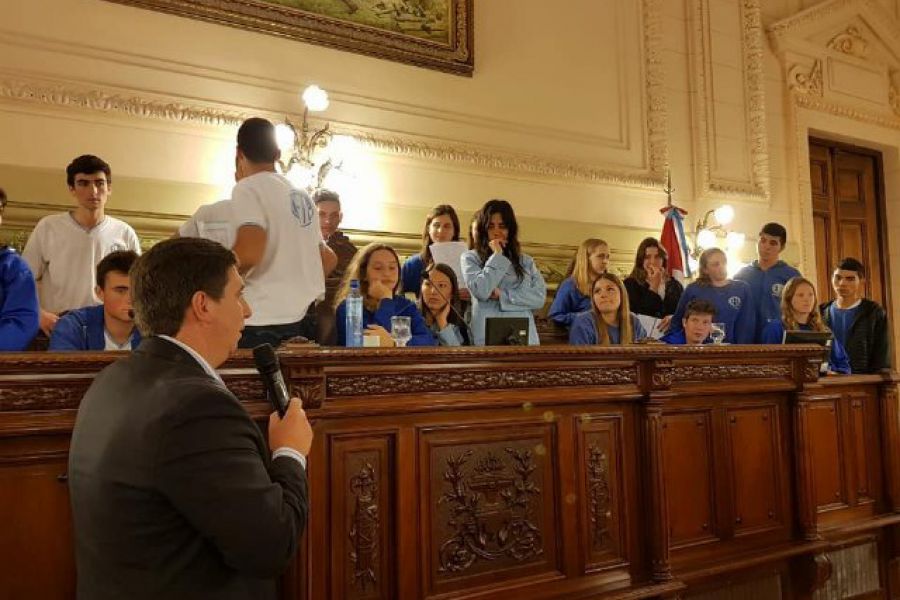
[[354, 322]]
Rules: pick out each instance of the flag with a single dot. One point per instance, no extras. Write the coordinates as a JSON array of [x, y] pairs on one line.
[[674, 241]]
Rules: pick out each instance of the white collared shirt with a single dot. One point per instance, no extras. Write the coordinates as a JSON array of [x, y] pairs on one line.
[[284, 450]]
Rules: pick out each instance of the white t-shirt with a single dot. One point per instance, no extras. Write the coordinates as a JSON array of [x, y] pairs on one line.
[[212, 222], [63, 256], [289, 277]]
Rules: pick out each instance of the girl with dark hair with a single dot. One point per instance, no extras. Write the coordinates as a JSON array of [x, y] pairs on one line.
[[800, 310], [439, 304], [574, 294], [503, 281], [609, 320], [650, 289], [377, 268], [441, 225], [732, 298]]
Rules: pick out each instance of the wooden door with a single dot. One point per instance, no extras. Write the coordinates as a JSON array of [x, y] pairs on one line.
[[848, 209]]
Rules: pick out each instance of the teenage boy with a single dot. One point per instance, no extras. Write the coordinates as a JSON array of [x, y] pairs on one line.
[[109, 326], [767, 275], [64, 249], [696, 324], [328, 205], [859, 324], [18, 298]]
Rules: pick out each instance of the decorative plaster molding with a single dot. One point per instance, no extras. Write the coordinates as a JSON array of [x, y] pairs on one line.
[[807, 82], [655, 81], [817, 14], [894, 98], [849, 112], [704, 132], [850, 42]]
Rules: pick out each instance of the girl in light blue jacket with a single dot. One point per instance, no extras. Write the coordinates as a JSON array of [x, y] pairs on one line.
[[503, 282]]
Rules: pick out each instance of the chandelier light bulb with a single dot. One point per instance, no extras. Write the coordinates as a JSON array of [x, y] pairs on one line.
[[315, 98], [735, 240], [284, 137], [724, 214], [706, 238]]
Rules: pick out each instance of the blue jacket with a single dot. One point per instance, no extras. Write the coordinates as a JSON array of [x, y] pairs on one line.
[[734, 307], [518, 297], [766, 287], [83, 329], [394, 307], [19, 316], [584, 330], [838, 361], [568, 303], [678, 337], [411, 275]]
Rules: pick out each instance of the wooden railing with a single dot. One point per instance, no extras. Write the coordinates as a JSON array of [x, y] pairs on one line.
[[545, 472]]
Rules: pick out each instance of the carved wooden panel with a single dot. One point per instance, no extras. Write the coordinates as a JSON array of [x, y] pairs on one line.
[[855, 572], [601, 488], [824, 439], [707, 372], [753, 440], [689, 479], [59, 395], [488, 504], [764, 587], [458, 381], [362, 517], [863, 446]]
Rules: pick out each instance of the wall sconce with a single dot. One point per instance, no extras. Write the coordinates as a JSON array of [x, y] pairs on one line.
[[706, 233], [298, 150]]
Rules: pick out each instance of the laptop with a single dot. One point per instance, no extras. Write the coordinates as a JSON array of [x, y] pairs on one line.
[[798, 336], [506, 331]]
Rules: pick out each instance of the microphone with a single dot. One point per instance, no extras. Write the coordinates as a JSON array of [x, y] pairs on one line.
[[270, 372]]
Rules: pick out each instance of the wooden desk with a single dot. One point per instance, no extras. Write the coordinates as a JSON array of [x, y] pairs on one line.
[[546, 472]]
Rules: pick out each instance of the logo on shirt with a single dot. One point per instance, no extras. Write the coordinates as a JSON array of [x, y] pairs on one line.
[[735, 302], [116, 247], [302, 207], [777, 288]]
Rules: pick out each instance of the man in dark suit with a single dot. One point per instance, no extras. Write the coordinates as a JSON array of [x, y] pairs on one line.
[[174, 493]]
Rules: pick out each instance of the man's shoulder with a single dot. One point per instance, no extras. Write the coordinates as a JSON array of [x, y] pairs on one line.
[[118, 225], [84, 315], [870, 306], [747, 271]]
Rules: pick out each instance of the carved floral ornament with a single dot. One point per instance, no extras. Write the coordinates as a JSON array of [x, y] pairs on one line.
[[805, 80], [851, 42]]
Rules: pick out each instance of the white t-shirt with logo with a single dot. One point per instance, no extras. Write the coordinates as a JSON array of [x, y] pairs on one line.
[[289, 277], [212, 222], [63, 256]]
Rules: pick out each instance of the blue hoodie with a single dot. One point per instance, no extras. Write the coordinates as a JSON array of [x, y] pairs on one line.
[[766, 287], [734, 307], [584, 330], [392, 307], [19, 316], [568, 303], [83, 329], [411, 275]]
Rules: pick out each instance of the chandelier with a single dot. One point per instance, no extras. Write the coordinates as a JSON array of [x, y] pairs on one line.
[[299, 148]]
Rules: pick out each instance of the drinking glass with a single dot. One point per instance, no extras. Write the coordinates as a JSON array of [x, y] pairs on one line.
[[717, 333], [400, 330]]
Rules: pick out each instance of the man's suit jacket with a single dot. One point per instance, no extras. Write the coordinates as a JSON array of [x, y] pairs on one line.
[[173, 492]]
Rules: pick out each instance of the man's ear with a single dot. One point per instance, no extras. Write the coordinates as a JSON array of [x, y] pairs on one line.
[[199, 306], [99, 291]]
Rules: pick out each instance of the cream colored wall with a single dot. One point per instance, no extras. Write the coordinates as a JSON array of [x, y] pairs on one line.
[[574, 117]]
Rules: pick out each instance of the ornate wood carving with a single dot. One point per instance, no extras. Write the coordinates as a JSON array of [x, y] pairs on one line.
[[811, 370], [600, 496], [459, 381], [58, 396], [491, 509], [364, 528], [890, 424], [656, 486], [247, 388], [663, 374], [707, 372]]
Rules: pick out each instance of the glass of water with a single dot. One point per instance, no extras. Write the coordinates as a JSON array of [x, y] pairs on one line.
[[400, 331], [717, 333]]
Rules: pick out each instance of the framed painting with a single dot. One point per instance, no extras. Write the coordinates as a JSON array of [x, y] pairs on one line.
[[436, 34]]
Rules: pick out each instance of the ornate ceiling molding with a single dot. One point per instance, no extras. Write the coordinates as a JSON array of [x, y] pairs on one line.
[[803, 80], [851, 42], [849, 112], [145, 106], [704, 133]]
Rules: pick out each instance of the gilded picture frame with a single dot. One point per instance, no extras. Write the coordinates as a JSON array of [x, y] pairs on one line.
[[435, 34]]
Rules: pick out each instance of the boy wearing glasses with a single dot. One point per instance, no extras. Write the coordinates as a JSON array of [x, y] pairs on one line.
[[18, 298], [64, 249]]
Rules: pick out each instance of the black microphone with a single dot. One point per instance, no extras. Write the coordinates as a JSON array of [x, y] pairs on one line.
[[270, 372]]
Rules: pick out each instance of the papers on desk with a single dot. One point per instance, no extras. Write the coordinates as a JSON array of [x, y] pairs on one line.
[[450, 253], [651, 326]]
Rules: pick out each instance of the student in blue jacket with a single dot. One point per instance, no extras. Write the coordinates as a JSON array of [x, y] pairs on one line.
[[439, 304], [377, 268], [19, 316], [768, 275], [574, 294], [441, 225], [732, 299], [696, 324], [107, 326], [503, 282], [800, 310], [609, 320]]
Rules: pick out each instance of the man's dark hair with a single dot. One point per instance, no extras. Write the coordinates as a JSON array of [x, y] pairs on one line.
[[256, 140], [323, 195], [120, 261], [87, 164], [775, 230], [699, 307], [851, 264], [164, 280]]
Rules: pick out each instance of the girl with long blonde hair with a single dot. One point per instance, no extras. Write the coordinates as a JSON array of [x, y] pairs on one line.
[[609, 320], [574, 294]]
